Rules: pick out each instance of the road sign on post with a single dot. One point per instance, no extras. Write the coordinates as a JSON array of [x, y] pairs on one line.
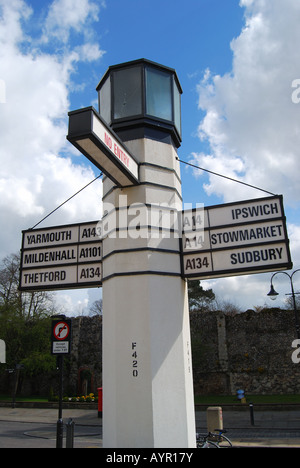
[[61, 336]]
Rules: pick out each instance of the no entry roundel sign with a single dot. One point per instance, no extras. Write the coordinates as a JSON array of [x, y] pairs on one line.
[[61, 336], [61, 331]]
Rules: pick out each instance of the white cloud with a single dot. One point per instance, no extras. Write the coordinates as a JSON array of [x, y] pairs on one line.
[[77, 302], [67, 15], [294, 237], [89, 52], [10, 21], [252, 126], [39, 168], [250, 121]]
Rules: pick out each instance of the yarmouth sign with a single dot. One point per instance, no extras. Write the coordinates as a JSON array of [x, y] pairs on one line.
[[61, 257], [235, 239]]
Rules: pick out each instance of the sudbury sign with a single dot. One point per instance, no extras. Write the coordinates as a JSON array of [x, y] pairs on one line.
[[61, 257], [235, 238]]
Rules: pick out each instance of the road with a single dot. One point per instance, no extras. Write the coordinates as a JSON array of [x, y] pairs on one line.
[[36, 428], [37, 435]]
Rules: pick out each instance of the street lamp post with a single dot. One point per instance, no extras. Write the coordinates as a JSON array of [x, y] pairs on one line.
[[273, 294]]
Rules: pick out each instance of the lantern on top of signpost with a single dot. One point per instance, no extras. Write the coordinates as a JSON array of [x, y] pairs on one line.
[[141, 98]]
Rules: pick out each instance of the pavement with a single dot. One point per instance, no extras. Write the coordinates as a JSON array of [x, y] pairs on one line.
[[278, 428], [36, 428]]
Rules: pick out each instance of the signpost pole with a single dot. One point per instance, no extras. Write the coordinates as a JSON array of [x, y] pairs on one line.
[[60, 346], [60, 423]]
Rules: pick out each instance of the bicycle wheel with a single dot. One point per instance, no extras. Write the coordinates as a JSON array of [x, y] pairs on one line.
[[224, 442], [207, 444], [211, 444], [203, 442]]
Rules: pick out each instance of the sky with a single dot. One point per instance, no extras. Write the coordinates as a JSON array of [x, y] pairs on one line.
[[238, 65]]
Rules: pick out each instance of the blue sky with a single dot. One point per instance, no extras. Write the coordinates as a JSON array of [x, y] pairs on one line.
[[237, 62]]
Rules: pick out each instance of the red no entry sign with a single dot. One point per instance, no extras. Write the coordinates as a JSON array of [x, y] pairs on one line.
[[61, 331], [61, 337]]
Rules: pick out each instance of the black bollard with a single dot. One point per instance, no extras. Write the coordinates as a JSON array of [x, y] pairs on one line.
[[70, 434], [251, 407]]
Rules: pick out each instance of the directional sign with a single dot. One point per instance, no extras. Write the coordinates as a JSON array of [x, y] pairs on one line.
[[91, 136], [61, 257], [61, 336], [235, 238]]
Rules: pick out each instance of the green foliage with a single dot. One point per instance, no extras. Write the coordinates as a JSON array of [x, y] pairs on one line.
[[27, 342], [200, 298], [25, 323]]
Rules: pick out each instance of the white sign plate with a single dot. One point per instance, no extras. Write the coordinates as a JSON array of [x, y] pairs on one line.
[[246, 234], [60, 347], [61, 257], [236, 238], [63, 277], [236, 261], [91, 136]]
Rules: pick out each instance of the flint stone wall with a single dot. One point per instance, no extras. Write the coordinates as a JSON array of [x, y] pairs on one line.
[[250, 351]]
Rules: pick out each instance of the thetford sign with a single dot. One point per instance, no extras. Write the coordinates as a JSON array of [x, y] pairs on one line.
[[61, 257], [235, 238], [90, 134]]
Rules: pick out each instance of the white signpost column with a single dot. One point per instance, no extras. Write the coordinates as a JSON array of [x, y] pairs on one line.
[[147, 369]]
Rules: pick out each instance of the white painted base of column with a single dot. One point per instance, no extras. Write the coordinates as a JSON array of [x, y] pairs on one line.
[[147, 367]]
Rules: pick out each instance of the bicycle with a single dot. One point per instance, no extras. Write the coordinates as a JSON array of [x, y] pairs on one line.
[[219, 438], [203, 442]]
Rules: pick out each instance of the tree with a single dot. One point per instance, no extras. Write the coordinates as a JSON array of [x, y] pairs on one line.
[[96, 308], [25, 323], [25, 304], [289, 303], [199, 298]]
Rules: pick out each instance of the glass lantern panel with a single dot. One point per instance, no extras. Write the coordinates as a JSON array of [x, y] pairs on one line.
[[158, 94], [177, 108], [105, 101], [127, 92]]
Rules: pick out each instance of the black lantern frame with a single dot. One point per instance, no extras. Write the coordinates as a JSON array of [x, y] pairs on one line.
[[141, 99]]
